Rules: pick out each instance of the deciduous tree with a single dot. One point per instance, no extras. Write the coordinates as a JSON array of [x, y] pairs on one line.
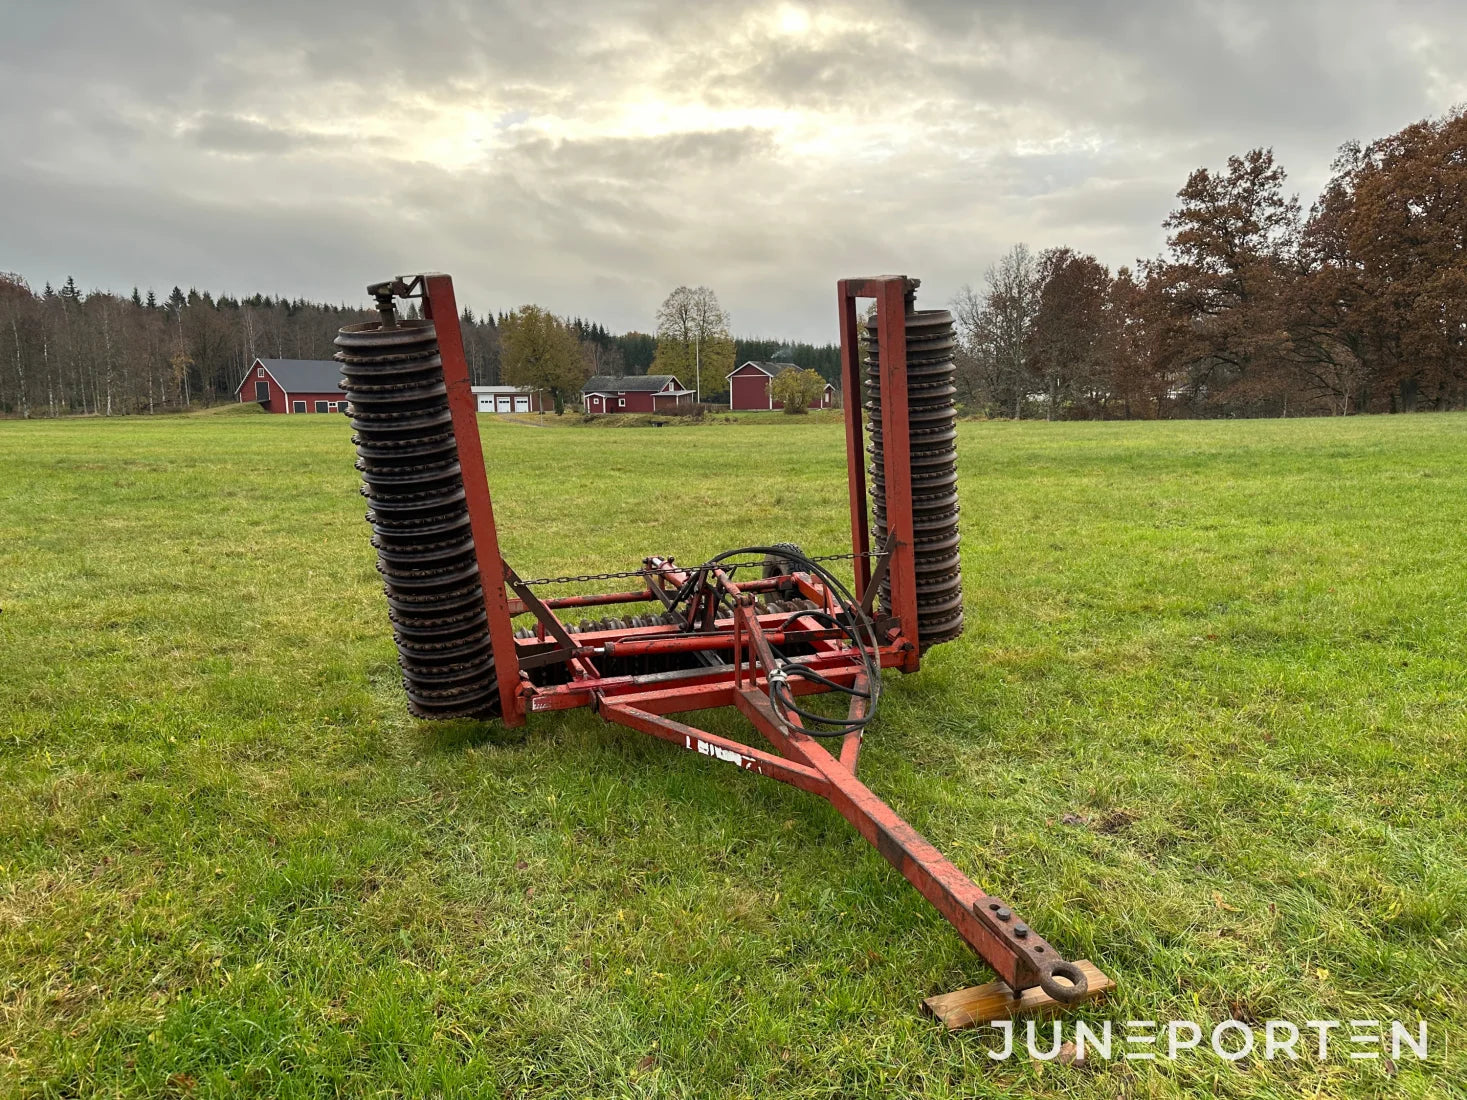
[[1069, 343], [692, 337], [1223, 281], [1132, 382], [1383, 296], [994, 330], [539, 351], [797, 389]]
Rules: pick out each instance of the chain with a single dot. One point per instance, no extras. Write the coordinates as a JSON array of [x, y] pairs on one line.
[[727, 566]]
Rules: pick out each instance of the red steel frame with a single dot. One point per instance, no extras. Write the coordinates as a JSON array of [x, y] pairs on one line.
[[1019, 955]]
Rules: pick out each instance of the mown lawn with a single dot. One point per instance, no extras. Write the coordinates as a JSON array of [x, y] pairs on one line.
[[1206, 729]]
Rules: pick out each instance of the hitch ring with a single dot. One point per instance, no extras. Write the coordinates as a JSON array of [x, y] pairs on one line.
[[1075, 985]]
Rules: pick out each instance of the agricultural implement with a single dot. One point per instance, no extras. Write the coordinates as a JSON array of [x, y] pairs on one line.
[[765, 629]]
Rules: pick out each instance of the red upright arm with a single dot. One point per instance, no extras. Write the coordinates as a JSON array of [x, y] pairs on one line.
[[439, 305], [890, 292], [896, 450]]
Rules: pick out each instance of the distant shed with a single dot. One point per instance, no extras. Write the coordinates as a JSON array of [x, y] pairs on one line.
[[503, 399], [748, 386], [634, 393], [293, 386]]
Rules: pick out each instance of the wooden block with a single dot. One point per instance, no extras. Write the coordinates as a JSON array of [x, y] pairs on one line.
[[996, 1001]]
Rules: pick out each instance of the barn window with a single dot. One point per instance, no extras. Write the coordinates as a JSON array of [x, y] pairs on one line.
[[321, 406], [298, 406], [262, 392], [621, 402], [260, 373]]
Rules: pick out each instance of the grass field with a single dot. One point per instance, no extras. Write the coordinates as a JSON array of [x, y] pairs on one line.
[[1206, 728], [715, 417]]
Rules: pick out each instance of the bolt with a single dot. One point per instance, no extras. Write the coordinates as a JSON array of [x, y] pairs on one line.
[[1021, 930], [1002, 913]]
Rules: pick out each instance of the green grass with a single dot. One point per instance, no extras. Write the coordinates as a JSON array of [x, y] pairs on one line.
[[573, 419], [230, 408], [231, 864]]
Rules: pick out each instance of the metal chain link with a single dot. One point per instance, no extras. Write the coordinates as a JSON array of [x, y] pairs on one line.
[[726, 565]]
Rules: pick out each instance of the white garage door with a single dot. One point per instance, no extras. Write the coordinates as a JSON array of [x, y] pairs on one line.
[[486, 403], [521, 404], [501, 404]]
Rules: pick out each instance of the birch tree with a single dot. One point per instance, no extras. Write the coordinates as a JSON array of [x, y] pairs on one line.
[[692, 336]]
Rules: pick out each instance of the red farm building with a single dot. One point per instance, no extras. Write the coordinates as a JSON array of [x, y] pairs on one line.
[[635, 393], [748, 387], [293, 386]]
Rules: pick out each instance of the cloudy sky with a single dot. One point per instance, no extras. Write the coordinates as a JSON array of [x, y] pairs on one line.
[[591, 156]]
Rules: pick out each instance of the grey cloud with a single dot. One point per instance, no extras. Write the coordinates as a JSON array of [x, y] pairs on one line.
[[231, 134], [641, 161], [234, 136], [919, 135]]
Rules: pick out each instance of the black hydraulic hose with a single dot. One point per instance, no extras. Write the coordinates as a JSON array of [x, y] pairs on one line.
[[858, 629]]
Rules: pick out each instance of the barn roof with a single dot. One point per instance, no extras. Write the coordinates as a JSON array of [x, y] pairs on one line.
[[768, 366], [631, 383], [300, 375]]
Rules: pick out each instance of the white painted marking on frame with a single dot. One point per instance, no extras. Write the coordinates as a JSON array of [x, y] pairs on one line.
[[718, 752]]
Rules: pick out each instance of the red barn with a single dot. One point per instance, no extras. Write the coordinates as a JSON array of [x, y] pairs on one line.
[[293, 386], [634, 393], [748, 387]]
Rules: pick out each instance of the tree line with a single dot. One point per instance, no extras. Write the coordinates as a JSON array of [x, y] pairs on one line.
[[63, 352], [66, 352], [1254, 309]]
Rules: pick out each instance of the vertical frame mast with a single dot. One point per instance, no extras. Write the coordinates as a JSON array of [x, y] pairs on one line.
[[890, 292], [440, 306]]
